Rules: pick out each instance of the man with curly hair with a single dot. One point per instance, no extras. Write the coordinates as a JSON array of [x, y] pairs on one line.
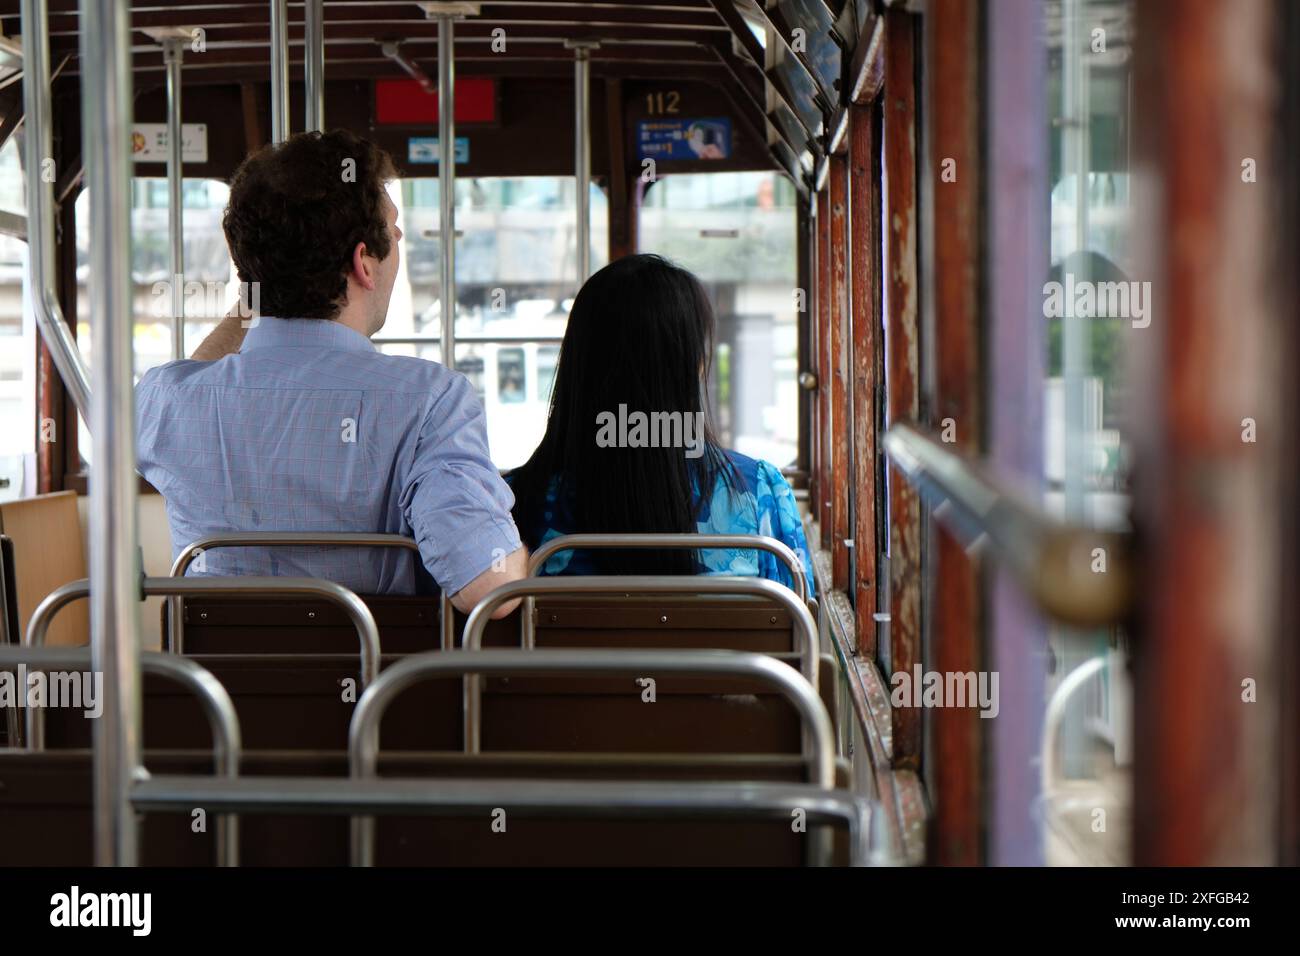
[[292, 420]]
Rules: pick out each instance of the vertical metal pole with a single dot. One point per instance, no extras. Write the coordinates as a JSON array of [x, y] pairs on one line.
[[173, 56], [447, 183], [279, 70], [582, 155], [38, 156], [1076, 119], [115, 590], [314, 64]]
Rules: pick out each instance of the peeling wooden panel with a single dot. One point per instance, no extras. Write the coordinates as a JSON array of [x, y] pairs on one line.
[[824, 367], [909, 798], [867, 71], [1211, 504], [900, 796], [955, 765], [841, 423], [865, 321], [902, 372]]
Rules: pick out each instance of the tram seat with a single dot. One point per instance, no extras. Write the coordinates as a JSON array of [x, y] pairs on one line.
[[47, 541], [408, 624], [45, 818], [284, 702], [728, 622], [283, 663], [296, 702]]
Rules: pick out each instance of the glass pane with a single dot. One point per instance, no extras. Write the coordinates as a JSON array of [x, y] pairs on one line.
[[210, 287], [736, 231], [516, 268], [516, 275], [17, 342], [510, 376], [1092, 300]]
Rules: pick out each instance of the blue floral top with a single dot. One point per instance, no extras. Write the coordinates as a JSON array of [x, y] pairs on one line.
[[763, 503]]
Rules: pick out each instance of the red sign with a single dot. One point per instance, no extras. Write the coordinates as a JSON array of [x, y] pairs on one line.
[[405, 103]]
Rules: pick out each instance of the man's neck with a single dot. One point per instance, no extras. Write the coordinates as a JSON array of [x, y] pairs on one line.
[[354, 320]]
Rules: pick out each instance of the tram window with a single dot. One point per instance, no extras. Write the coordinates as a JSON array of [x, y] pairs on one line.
[[510, 376], [17, 340], [1084, 408], [548, 356], [515, 255], [516, 276], [211, 285], [736, 231]]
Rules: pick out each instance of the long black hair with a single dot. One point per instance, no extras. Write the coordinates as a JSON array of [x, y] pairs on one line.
[[640, 335]]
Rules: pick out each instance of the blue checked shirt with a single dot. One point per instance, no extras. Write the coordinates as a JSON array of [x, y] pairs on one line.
[[310, 428]]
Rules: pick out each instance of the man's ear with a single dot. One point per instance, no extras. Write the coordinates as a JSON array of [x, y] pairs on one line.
[[362, 271]]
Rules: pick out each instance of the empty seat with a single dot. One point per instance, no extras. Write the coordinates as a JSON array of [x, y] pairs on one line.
[[45, 818], [545, 713], [408, 624], [298, 702]]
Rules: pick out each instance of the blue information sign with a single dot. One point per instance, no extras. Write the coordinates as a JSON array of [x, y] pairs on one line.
[[424, 149], [684, 138]]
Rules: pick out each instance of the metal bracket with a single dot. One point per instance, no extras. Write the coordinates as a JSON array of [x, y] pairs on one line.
[[433, 9]]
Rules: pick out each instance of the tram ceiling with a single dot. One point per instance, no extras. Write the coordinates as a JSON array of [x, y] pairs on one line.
[[788, 68]]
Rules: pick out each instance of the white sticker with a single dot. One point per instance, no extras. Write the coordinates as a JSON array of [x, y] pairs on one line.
[[149, 142]]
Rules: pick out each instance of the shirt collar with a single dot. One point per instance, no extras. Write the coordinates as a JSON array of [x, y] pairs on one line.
[[268, 332]]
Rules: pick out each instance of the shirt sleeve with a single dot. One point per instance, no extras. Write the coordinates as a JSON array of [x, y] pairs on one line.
[[455, 500], [776, 498], [148, 423]]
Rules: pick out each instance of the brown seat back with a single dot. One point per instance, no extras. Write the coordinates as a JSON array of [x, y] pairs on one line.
[[740, 623], [408, 624], [301, 702], [45, 816]]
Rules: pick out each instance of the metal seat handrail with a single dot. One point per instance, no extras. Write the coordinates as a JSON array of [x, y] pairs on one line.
[[244, 539], [363, 733], [362, 619], [690, 540], [804, 625], [216, 703], [528, 798]]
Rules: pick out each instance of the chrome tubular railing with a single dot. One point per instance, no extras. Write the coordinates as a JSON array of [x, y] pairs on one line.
[[686, 541], [1052, 561], [38, 156], [216, 703], [683, 541], [362, 619], [314, 64], [363, 736], [113, 551], [805, 626], [284, 539], [528, 798]]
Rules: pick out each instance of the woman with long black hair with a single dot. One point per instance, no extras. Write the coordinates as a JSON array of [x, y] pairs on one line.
[[627, 445]]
